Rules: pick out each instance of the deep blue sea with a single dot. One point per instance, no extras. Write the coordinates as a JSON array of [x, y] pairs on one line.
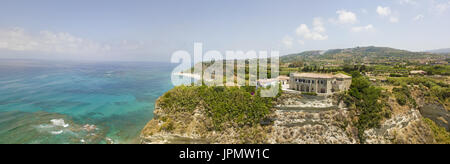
[[78, 102]]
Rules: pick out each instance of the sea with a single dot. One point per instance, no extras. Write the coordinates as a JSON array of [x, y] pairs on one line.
[[67, 102]]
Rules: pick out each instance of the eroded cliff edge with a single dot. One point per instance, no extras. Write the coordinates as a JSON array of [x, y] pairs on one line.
[[293, 118]]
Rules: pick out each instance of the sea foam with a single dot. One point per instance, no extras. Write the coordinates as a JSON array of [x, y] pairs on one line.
[[56, 132], [59, 122]]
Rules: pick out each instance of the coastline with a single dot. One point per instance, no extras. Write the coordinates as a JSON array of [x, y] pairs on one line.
[[191, 75], [291, 121]]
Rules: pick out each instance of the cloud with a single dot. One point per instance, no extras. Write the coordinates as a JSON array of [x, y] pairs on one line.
[[318, 25], [317, 32], [364, 11], [62, 43], [288, 41], [440, 8], [386, 11], [301, 42], [346, 17], [363, 28], [419, 17], [17, 39], [127, 45], [383, 11], [408, 2], [393, 19]]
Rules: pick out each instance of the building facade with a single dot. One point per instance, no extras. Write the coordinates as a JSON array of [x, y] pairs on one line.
[[322, 84]]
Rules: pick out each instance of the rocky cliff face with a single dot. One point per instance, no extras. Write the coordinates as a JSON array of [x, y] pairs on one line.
[[184, 128], [306, 127], [431, 108], [407, 128], [311, 120], [295, 119]]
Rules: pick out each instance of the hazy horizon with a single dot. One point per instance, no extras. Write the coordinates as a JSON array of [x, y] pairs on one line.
[[152, 30]]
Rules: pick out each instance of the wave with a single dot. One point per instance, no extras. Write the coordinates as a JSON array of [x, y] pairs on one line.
[[57, 132], [59, 122]]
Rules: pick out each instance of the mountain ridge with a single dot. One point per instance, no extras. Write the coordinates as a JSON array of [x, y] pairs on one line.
[[370, 52], [439, 51]]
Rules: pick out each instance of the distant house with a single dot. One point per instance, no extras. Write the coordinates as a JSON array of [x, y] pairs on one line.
[[283, 80], [322, 84], [267, 82], [418, 72]]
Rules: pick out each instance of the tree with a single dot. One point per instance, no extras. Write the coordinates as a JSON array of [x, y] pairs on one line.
[[365, 98]]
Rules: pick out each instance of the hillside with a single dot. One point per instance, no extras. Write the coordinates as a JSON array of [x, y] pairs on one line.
[[402, 110], [358, 54], [440, 51]]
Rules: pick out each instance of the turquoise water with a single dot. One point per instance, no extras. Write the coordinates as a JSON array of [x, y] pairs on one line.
[[70, 102]]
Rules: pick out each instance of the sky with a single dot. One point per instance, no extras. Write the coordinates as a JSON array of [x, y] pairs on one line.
[[152, 30]]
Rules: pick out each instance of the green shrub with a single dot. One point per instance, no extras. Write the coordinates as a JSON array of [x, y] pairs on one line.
[[397, 75], [364, 97], [401, 99], [168, 125], [180, 99], [403, 96], [439, 90], [437, 70], [233, 105], [439, 133]]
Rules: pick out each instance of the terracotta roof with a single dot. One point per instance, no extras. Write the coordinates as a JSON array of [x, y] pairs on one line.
[[314, 75], [283, 78], [341, 75], [267, 80], [417, 72]]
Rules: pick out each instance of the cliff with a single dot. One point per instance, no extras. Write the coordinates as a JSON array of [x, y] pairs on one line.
[[292, 119], [188, 128], [208, 115]]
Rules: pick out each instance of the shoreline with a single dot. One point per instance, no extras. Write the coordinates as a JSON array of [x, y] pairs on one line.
[[191, 75]]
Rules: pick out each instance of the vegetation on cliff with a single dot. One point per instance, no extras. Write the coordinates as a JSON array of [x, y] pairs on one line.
[[386, 103], [223, 105], [437, 90], [364, 99], [403, 96], [439, 133], [370, 102]]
